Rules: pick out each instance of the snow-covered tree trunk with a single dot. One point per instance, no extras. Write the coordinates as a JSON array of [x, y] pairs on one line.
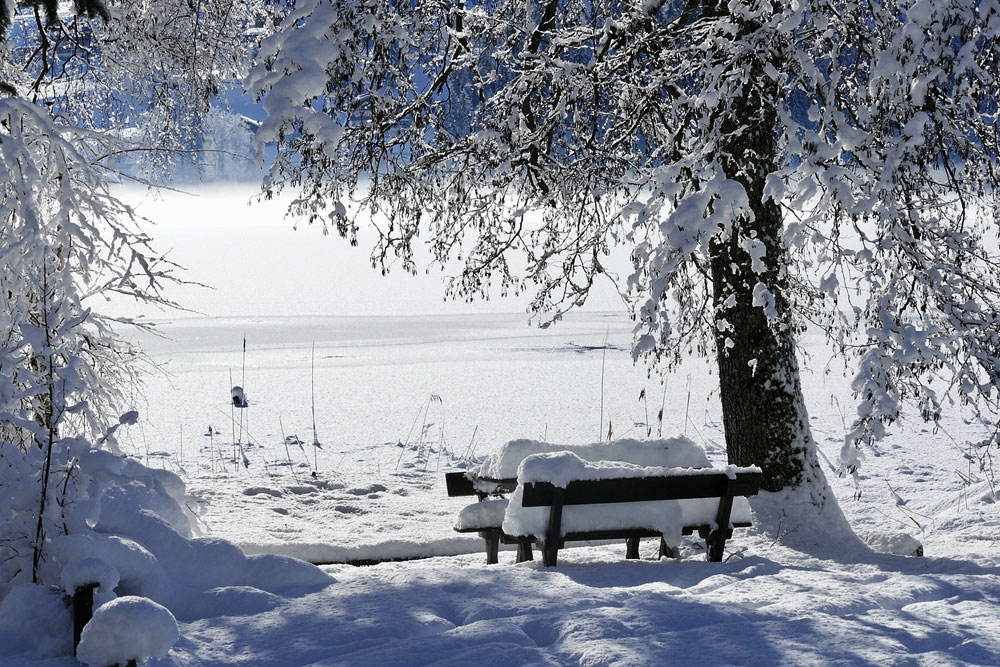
[[762, 405]]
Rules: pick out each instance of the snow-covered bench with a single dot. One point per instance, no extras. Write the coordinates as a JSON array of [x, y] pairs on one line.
[[561, 498], [498, 475]]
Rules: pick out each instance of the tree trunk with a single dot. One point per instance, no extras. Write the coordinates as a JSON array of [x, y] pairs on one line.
[[762, 405]]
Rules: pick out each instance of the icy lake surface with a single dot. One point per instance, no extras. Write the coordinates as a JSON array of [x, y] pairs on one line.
[[401, 400]]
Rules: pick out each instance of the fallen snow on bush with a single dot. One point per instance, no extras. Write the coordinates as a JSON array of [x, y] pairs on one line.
[[128, 628]]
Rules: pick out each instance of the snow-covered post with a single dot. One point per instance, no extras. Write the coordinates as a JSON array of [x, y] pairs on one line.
[[83, 609], [79, 580], [127, 631]]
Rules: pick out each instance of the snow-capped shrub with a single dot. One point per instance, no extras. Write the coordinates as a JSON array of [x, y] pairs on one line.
[[128, 628], [64, 372]]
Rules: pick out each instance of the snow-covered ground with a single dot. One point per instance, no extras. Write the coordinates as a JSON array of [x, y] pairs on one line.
[[402, 397]]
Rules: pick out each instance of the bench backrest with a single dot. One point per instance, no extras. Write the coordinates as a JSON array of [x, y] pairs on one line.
[[638, 489], [460, 484]]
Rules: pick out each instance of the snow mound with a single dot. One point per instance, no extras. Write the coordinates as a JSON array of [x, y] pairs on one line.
[[137, 542], [484, 514], [679, 452], [897, 544], [120, 480], [88, 571], [128, 628]]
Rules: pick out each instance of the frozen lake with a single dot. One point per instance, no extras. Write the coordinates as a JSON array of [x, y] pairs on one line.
[[401, 399]]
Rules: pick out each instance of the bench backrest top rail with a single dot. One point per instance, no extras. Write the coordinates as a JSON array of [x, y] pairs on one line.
[[459, 484], [468, 484], [639, 489]]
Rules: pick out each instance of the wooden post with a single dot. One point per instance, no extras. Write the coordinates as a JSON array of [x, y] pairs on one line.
[[716, 541], [524, 552], [666, 551], [631, 548], [553, 538], [492, 537], [83, 610]]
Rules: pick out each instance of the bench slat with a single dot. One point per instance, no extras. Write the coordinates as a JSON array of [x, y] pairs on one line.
[[458, 484], [639, 489]]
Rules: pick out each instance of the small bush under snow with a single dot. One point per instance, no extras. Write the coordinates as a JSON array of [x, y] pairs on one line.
[[128, 628]]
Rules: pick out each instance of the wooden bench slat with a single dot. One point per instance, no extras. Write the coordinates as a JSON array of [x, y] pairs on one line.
[[641, 489], [459, 484]]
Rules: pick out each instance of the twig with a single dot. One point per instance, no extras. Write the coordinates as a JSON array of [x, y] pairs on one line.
[[604, 356], [312, 398]]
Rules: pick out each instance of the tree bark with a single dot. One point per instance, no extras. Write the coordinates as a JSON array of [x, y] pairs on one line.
[[762, 405]]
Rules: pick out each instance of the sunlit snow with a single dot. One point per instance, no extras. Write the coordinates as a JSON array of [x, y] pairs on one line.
[[405, 387]]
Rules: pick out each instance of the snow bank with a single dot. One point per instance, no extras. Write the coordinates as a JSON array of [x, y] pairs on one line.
[[384, 550], [897, 544], [34, 620], [189, 576], [677, 452], [126, 529], [129, 628]]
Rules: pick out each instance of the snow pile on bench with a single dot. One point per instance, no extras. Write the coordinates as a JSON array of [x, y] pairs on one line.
[[679, 452], [665, 516], [481, 515]]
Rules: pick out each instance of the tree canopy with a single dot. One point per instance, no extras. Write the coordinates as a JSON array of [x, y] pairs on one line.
[[768, 166]]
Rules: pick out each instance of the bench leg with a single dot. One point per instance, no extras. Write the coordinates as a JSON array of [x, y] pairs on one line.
[[631, 548], [524, 552], [716, 541], [550, 554], [553, 536], [716, 544], [666, 551], [492, 539]]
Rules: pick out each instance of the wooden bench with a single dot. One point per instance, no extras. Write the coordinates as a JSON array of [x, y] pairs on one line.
[[465, 484], [588, 492], [673, 487]]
